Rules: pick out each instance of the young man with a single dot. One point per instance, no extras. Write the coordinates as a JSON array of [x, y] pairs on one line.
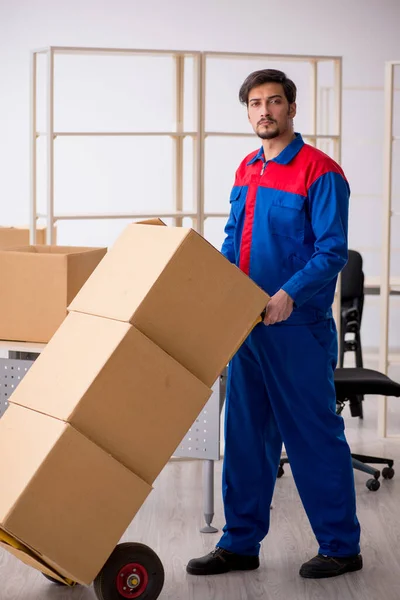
[[287, 230]]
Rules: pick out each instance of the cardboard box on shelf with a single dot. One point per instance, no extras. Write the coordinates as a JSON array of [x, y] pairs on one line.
[[117, 388], [178, 290], [64, 497], [19, 236], [38, 284]]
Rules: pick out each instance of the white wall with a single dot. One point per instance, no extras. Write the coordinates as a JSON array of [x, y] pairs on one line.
[[94, 175]]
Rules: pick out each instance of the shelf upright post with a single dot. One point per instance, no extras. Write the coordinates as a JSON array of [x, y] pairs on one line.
[[50, 146], [386, 231], [199, 150], [33, 148], [178, 139]]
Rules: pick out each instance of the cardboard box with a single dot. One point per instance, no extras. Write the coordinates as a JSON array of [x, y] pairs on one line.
[[19, 236], [38, 283], [176, 288], [116, 387], [63, 496]]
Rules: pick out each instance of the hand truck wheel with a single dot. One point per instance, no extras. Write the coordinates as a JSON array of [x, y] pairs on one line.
[[132, 571]]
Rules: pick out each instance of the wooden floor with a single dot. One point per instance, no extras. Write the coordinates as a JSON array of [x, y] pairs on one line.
[[170, 519]]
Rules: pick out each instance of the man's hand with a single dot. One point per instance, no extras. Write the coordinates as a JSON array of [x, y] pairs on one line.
[[279, 308]]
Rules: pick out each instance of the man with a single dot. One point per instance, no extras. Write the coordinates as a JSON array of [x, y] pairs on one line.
[[287, 230]]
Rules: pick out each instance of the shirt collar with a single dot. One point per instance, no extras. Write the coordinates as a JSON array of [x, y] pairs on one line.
[[286, 155]]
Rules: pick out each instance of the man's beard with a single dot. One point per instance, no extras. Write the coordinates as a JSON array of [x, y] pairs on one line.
[[268, 135]]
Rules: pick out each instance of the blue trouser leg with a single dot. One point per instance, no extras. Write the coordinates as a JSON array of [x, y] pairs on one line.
[[297, 385], [252, 452], [298, 364]]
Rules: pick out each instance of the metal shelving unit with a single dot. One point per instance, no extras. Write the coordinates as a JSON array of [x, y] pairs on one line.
[[199, 134], [51, 135], [178, 135]]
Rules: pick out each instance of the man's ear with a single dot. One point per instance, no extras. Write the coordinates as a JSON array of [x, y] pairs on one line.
[[292, 110]]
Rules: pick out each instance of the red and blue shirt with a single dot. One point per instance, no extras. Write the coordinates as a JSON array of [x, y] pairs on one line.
[[288, 226]]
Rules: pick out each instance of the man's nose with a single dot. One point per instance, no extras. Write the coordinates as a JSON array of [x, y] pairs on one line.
[[265, 109]]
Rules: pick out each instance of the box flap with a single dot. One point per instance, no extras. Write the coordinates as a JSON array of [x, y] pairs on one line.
[[80, 267], [150, 222]]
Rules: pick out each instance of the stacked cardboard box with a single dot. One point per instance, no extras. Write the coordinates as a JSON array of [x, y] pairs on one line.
[[107, 402]]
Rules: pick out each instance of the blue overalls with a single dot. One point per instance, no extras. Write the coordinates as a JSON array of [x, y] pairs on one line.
[[288, 229]]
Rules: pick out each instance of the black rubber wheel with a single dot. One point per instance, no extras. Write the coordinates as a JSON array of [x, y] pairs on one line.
[[55, 581], [132, 571], [373, 485], [281, 471], [388, 473]]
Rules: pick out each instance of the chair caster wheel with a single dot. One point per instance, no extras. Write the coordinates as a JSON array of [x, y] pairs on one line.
[[373, 485], [388, 473], [281, 471]]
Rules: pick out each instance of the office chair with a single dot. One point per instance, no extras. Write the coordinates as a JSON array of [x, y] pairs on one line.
[[349, 384], [352, 303]]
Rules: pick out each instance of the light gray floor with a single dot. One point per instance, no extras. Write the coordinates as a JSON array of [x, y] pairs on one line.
[[170, 519]]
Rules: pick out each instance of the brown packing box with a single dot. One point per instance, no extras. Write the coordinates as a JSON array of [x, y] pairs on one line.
[[176, 288], [116, 387], [62, 495], [39, 282], [19, 236]]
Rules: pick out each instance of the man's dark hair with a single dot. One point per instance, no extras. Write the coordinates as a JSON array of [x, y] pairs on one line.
[[267, 76]]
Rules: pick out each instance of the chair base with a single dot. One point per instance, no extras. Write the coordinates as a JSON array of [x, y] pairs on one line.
[[359, 463]]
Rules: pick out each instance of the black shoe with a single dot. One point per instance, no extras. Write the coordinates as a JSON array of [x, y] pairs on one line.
[[329, 566], [221, 561]]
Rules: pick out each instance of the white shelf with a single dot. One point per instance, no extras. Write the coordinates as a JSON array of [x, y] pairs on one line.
[[374, 283], [291, 57], [150, 215], [216, 215], [393, 357], [173, 134], [113, 51], [253, 135]]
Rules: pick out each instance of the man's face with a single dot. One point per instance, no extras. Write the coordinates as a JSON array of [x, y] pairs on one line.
[[269, 112]]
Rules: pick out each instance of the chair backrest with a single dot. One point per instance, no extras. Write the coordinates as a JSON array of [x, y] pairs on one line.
[[353, 278]]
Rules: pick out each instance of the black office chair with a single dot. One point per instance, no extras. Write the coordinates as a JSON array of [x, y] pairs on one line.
[[351, 383], [352, 304]]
